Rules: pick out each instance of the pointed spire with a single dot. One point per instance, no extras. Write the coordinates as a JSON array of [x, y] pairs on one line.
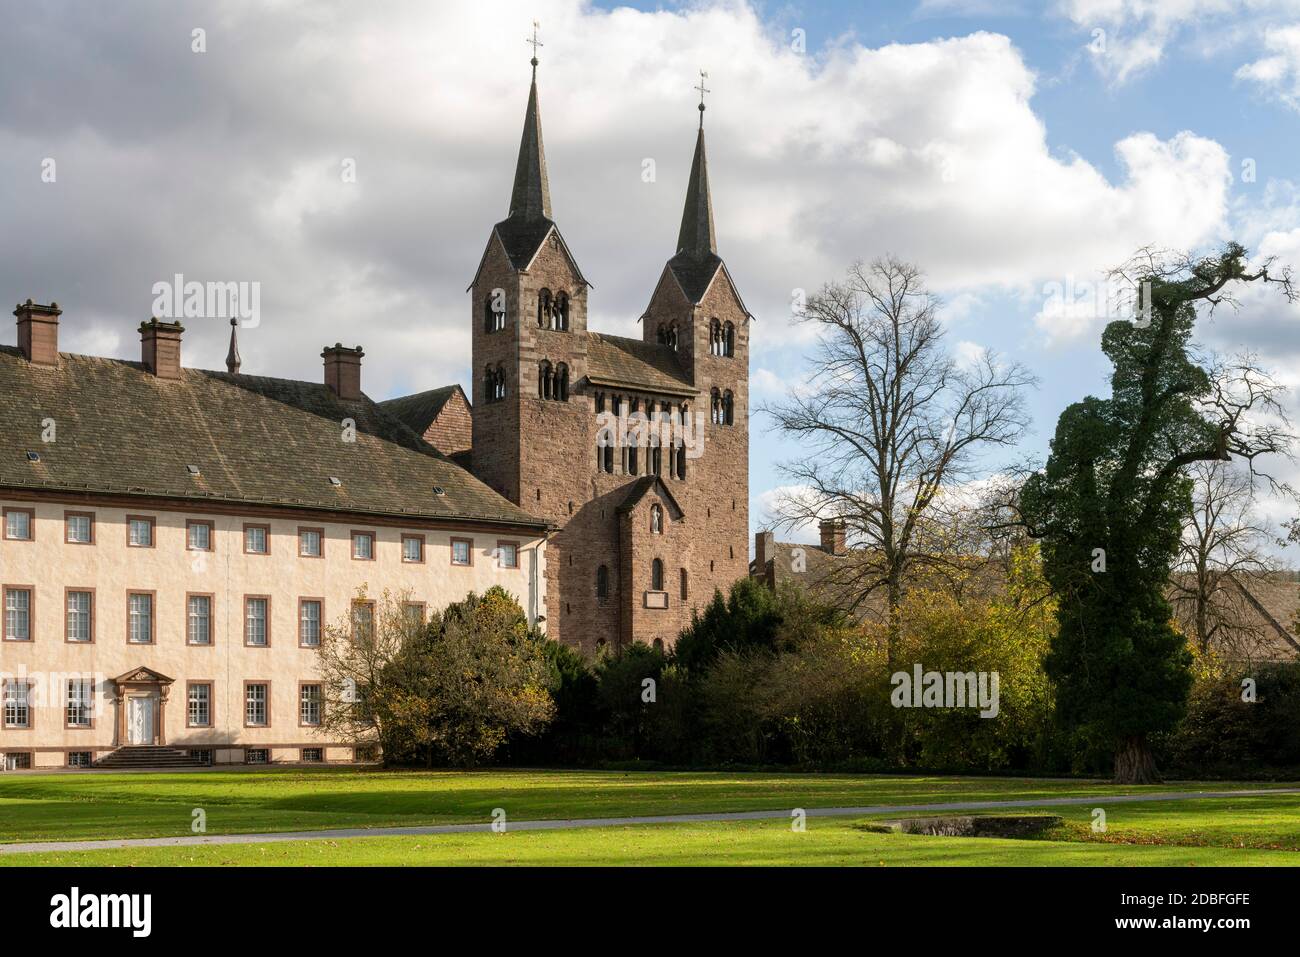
[[696, 237], [232, 357], [531, 197]]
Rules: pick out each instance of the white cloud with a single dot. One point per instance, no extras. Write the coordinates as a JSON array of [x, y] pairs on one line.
[[1278, 73]]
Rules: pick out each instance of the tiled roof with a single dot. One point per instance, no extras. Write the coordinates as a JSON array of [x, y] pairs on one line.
[[254, 440], [418, 411], [617, 361]]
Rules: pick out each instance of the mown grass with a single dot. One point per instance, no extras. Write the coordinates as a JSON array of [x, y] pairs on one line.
[[108, 806], [826, 842]]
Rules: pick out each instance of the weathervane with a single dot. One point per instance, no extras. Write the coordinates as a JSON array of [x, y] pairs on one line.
[[535, 43], [703, 89]]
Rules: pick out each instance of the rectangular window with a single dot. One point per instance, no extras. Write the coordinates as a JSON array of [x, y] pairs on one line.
[[18, 711], [414, 612], [508, 554], [255, 705], [198, 629], [199, 713], [140, 618], [255, 621], [18, 524], [313, 755], [363, 546], [462, 551], [139, 531], [79, 759], [412, 548], [257, 539], [79, 528], [309, 542], [309, 705], [18, 760], [363, 620], [198, 536], [257, 756], [81, 608], [309, 615], [203, 755], [18, 614], [79, 713]]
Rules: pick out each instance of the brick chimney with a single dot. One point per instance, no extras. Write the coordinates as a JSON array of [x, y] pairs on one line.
[[38, 332], [160, 348], [833, 536], [343, 370], [764, 549]]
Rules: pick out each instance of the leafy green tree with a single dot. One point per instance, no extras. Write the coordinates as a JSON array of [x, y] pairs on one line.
[[1111, 502], [751, 618]]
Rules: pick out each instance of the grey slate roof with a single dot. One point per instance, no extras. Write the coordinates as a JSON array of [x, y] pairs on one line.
[[255, 440], [417, 411], [618, 361]]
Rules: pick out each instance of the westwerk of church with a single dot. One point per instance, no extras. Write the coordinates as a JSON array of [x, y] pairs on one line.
[[176, 539]]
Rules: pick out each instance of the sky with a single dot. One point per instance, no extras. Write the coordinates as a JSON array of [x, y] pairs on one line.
[[352, 158]]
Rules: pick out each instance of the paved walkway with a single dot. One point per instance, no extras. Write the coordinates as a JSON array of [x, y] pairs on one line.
[[560, 825]]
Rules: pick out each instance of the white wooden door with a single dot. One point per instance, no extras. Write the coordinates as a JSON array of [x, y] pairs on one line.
[[139, 721]]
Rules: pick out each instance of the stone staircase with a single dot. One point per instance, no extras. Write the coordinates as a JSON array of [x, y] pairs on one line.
[[147, 756]]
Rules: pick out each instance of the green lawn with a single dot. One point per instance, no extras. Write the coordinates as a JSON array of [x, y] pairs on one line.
[[1218, 825], [103, 806]]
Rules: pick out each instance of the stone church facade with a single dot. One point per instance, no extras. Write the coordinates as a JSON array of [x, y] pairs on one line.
[[635, 450]]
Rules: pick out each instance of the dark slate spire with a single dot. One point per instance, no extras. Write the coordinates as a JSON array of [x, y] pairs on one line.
[[232, 357], [696, 238], [531, 198]]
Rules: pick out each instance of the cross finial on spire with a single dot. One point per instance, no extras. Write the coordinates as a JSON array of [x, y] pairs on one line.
[[703, 89], [535, 44]]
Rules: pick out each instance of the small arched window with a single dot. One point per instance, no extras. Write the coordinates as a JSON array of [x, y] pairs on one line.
[[729, 340], [545, 379], [728, 408], [561, 310], [489, 319], [667, 335], [602, 582], [657, 575], [686, 585], [561, 389], [659, 645], [715, 407], [543, 309], [489, 385], [679, 461], [657, 519], [715, 337], [498, 383]]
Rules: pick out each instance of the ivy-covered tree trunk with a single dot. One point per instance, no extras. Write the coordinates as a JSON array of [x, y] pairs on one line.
[[1114, 496]]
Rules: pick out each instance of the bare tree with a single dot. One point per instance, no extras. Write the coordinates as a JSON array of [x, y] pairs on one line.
[[1224, 548], [891, 426]]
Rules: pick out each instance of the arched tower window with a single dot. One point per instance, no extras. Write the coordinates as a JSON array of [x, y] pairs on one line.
[[545, 379], [602, 582], [667, 335], [489, 384], [562, 311], [715, 337], [715, 407], [729, 340], [657, 519], [561, 389], [728, 408], [543, 309], [657, 575]]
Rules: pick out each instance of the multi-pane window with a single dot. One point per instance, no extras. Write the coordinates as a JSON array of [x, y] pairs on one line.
[[18, 524], [140, 532], [257, 539], [200, 706], [313, 755], [309, 622], [198, 536], [309, 698], [363, 545], [140, 619], [412, 548], [256, 756], [18, 712], [80, 608], [79, 759], [18, 760], [363, 619], [78, 703], [508, 554], [414, 612], [255, 610], [79, 529], [309, 542], [18, 614], [199, 619], [460, 551], [255, 705]]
